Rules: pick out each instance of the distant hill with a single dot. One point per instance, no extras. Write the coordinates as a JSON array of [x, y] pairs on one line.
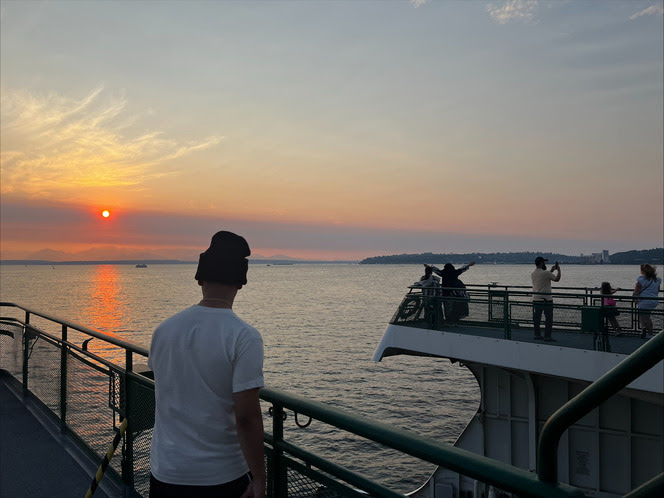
[[653, 256]]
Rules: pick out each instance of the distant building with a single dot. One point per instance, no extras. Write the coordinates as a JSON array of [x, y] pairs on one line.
[[605, 256], [595, 258]]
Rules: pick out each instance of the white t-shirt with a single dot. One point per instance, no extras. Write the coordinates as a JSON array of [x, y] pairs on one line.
[[542, 283], [649, 288], [201, 357], [432, 281]]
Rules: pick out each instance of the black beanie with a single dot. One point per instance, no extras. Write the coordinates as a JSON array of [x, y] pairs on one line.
[[225, 261]]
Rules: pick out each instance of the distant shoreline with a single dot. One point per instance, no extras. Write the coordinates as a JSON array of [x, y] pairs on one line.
[[635, 257], [653, 256]]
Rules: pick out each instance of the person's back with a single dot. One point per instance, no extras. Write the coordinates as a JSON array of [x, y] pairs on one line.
[[450, 275], [428, 280], [541, 284], [200, 357], [649, 286], [208, 367]]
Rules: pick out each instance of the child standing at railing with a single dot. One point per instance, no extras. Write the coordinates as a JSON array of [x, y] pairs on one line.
[[609, 306]]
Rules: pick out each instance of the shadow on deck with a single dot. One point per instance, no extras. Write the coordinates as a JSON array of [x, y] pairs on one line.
[[35, 459]]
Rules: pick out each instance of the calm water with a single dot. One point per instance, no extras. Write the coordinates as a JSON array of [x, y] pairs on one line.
[[320, 325]]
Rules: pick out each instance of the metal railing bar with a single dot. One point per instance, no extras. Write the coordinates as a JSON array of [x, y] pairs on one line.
[[57, 342], [323, 479], [512, 292], [632, 367], [82, 359], [561, 287], [649, 489], [337, 470], [484, 469], [80, 328], [11, 320], [50, 339], [414, 305]]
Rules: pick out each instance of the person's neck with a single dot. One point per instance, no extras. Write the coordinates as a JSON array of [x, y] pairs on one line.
[[216, 302], [216, 295]]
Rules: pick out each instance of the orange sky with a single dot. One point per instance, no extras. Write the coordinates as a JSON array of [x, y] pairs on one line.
[[542, 131]]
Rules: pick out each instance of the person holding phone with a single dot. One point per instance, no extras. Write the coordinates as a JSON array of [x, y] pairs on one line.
[[542, 300]]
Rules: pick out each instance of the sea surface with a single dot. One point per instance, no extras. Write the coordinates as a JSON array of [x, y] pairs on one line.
[[320, 324]]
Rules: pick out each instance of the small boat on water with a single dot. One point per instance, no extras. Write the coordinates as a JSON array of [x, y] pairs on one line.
[[141, 265]]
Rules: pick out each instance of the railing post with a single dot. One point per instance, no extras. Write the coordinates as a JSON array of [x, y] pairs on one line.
[[506, 316], [606, 346], [63, 380], [280, 477], [128, 454], [25, 354]]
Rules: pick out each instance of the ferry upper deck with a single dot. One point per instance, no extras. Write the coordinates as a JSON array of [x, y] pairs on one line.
[[498, 330]]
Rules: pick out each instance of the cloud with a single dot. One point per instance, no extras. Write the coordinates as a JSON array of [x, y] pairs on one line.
[[418, 3], [653, 10], [52, 143], [513, 10]]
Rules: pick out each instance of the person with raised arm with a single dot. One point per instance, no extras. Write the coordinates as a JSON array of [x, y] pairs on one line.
[[456, 306], [542, 300]]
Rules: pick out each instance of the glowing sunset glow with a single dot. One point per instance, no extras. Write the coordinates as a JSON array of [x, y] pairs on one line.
[[488, 126]]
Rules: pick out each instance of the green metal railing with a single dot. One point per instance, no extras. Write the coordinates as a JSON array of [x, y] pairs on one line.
[[635, 365], [510, 308], [484, 469], [68, 380], [630, 369], [35, 354]]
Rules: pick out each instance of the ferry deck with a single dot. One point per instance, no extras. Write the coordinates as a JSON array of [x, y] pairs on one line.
[[62, 406]]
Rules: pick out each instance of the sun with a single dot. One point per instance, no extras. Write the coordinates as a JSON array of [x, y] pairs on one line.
[[106, 213]]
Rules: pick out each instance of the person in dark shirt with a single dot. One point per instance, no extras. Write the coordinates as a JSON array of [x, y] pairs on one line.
[[456, 306]]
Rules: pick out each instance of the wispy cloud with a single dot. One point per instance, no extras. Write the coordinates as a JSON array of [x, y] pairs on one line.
[[52, 143], [653, 10], [513, 10], [418, 3]]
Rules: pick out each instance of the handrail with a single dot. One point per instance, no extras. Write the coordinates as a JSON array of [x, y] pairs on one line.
[[555, 293], [636, 364], [428, 306], [653, 487], [485, 469], [86, 330]]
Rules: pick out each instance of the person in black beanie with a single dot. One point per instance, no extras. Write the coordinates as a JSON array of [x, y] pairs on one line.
[[225, 261], [208, 368]]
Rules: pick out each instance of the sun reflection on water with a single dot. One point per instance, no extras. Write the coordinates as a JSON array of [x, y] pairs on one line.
[[107, 305]]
